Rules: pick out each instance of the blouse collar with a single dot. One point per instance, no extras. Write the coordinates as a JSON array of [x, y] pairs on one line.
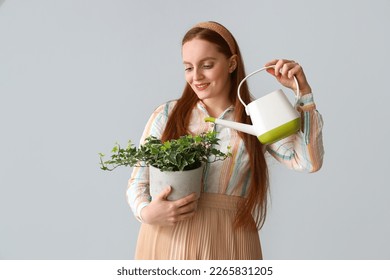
[[202, 107]]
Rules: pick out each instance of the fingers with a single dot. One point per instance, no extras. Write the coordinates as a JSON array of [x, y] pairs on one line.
[[165, 212], [177, 214], [183, 208], [175, 219], [284, 72], [272, 62], [186, 200], [188, 208], [180, 202], [295, 71], [287, 68], [283, 68], [185, 216], [165, 193]]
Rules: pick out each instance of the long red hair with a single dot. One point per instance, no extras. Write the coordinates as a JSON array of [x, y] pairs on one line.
[[255, 202]]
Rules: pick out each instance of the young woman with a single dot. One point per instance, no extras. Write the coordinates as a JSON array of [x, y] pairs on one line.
[[224, 222]]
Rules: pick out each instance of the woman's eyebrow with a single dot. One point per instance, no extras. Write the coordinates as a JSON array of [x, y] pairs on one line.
[[202, 60]]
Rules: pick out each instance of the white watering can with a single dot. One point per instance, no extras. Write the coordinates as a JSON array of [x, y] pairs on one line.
[[273, 116]]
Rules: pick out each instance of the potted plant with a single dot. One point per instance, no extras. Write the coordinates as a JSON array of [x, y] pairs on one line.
[[178, 163]]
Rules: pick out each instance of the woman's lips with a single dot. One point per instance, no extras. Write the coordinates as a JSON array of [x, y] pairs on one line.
[[202, 86]]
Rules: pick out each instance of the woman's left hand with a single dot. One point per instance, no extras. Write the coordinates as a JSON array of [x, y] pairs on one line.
[[284, 72]]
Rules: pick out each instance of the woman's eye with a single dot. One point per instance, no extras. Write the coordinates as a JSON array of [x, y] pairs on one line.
[[188, 69], [208, 66]]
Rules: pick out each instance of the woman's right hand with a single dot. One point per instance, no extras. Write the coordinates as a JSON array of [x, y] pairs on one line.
[[167, 213]]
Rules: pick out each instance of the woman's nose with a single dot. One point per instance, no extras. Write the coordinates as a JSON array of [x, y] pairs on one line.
[[198, 75]]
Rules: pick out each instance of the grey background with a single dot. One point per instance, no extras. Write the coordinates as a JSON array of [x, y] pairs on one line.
[[76, 76]]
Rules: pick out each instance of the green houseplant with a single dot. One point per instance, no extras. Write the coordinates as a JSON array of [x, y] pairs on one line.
[[177, 162]]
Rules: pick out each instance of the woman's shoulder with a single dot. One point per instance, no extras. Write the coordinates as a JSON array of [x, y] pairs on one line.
[[166, 107]]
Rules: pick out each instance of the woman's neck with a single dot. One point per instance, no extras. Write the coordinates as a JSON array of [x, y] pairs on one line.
[[215, 109]]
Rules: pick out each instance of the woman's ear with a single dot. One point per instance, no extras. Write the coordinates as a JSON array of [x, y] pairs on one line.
[[232, 63]]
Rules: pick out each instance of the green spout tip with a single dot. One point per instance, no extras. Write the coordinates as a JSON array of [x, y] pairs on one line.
[[209, 119]]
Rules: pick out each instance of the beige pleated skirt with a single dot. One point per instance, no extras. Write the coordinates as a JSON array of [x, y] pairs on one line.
[[209, 235]]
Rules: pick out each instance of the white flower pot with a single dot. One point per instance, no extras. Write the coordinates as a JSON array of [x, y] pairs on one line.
[[183, 183]]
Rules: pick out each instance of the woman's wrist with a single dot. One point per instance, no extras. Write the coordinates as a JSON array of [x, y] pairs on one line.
[[305, 90], [140, 216]]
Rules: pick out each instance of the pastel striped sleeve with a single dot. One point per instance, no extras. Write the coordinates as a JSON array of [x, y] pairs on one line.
[[137, 193], [304, 150]]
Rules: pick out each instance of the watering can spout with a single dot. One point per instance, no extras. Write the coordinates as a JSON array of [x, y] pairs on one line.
[[246, 128]]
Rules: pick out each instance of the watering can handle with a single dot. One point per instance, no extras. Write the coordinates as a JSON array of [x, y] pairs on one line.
[[259, 70]]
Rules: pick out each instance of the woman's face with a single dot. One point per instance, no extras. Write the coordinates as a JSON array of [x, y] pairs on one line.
[[207, 71]]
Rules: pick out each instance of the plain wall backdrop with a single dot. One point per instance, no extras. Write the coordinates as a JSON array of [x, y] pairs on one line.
[[78, 75]]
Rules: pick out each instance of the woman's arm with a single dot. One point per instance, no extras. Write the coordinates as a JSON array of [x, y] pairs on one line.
[[138, 186], [303, 150], [160, 211]]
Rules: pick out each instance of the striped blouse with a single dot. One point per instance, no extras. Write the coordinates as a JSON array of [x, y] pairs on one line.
[[302, 151]]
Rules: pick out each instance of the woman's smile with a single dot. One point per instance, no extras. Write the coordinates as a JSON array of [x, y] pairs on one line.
[[201, 87]]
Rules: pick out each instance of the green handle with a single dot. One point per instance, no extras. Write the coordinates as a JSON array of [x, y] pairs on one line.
[[209, 119]]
